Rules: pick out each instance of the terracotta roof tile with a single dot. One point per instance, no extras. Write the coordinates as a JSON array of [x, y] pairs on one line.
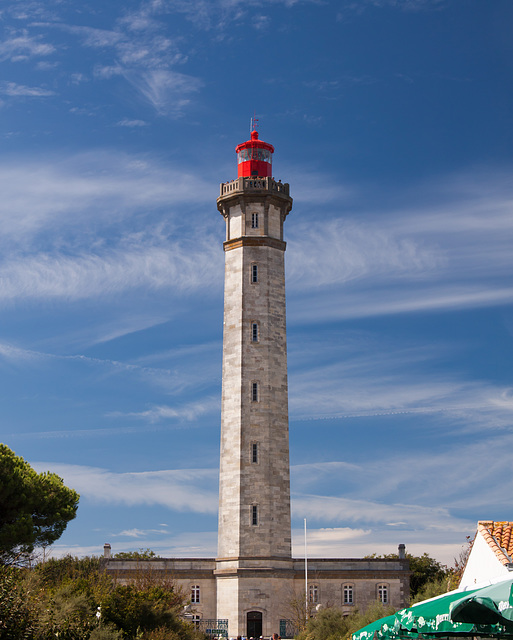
[[499, 537]]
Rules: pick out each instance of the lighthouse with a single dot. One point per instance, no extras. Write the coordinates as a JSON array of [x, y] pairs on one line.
[[254, 587], [254, 537]]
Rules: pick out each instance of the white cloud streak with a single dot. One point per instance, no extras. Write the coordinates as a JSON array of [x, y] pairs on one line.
[[64, 190], [132, 123], [173, 381], [167, 91], [189, 412], [88, 275], [359, 543], [193, 490], [18, 90], [453, 253], [422, 499], [20, 47], [141, 55], [362, 376], [433, 487]]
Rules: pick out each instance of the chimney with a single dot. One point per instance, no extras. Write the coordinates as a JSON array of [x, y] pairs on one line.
[[402, 552], [106, 551]]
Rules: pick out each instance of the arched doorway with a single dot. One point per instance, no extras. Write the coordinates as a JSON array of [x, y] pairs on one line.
[[254, 624]]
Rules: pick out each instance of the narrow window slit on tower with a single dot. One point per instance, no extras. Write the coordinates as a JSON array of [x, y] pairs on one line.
[[254, 391], [254, 515], [254, 332], [254, 452], [254, 220], [254, 273]]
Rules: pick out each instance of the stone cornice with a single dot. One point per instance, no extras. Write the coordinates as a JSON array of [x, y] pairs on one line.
[[254, 241], [243, 197]]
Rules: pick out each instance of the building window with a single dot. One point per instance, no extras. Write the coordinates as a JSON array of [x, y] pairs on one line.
[[254, 515], [254, 452], [254, 220], [195, 618], [254, 332], [383, 593], [254, 273], [313, 593], [254, 391], [195, 594], [348, 594]]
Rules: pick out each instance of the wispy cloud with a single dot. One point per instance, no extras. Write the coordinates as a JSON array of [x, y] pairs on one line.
[[138, 533], [132, 123], [173, 381], [21, 46], [181, 490], [453, 252], [167, 91], [117, 328], [90, 275], [189, 412], [345, 542], [362, 376], [432, 490], [16, 354], [421, 499], [338, 509], [91, 36], [18, 90], [190, 544], [141, 54], [69, 191], [217, 14], [355, 251]]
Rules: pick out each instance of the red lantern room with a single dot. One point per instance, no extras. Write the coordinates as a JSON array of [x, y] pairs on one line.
[[255, 158]]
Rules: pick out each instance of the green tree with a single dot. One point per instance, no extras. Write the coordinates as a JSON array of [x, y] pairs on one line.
[[56, 571], [424, 569], [35, 508], [16, 618], [327, 624], [153, 609], [434, 588], [74, 599]]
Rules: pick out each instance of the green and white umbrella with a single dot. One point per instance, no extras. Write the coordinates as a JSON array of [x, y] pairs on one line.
[[480, 613], [387, 628], [489, 605], [432, 617], [377, 629]]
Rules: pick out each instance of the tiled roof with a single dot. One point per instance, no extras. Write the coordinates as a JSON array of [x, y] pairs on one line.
[[499, 536]]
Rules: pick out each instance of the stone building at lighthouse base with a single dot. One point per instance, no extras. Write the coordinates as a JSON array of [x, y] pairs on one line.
[[266, 600]]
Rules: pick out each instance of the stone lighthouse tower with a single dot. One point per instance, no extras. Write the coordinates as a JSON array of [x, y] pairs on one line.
[[254, 586], [254, 543]]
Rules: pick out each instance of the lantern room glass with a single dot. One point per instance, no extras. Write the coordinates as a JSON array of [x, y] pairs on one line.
[[263, 155]]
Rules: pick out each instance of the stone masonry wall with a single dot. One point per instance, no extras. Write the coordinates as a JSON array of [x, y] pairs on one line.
[[254, 473]]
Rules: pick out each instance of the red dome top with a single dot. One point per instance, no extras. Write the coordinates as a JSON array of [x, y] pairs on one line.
[[255, 158]]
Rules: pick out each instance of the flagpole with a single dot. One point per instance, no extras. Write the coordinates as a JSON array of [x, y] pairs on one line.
[[306, 580]]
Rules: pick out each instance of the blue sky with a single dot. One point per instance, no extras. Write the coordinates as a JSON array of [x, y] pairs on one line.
[[392, 122]]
